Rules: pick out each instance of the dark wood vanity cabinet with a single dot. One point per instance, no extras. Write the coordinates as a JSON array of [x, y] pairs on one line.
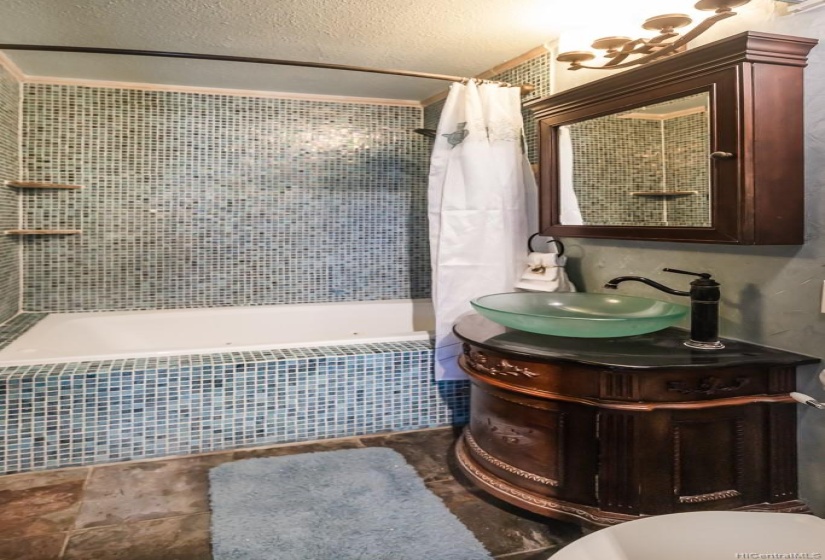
[[633, 427]]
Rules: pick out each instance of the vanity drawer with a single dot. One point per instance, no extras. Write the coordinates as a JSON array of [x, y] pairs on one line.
[[575, 381], [681, 386], [530, 377]]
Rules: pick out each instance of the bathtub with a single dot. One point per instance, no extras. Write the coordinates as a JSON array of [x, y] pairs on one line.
[[91, 388], [83, 337]]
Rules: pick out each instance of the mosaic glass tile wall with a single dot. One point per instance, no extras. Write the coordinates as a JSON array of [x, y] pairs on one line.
[[197, 200], [432, 113], [687, 140], [96, 412], [618, 155], [535, 71], [9, 169], [614, 157]]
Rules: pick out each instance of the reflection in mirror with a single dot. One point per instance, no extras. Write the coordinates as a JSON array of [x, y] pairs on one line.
[[647, 166]]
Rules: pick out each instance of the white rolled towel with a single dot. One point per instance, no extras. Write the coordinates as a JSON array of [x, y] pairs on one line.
[[545, 273]]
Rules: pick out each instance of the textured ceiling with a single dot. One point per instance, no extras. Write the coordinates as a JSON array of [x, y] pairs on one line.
[[457, 37]]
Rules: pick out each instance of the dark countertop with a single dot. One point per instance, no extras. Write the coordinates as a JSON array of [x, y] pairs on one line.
[[662, 349]]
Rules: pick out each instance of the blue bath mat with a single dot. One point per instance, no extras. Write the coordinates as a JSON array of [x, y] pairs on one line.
[[364, 504]]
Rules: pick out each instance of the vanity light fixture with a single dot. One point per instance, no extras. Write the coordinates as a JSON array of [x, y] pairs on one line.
[[669, 41]]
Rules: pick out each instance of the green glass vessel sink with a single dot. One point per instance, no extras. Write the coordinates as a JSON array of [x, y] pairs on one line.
[[580, 315]]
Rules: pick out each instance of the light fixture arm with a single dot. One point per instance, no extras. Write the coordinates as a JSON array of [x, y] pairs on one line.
[[649, 49]]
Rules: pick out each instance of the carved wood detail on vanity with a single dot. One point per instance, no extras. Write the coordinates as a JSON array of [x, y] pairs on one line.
[[483, 363], [479, 452], [783, 475], [619, 386], [712, 497], [589, 515], [618, 478], [782, 379], [707, 386]]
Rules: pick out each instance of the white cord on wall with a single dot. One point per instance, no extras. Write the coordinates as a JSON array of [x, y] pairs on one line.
[[810, 401], [806, 399]]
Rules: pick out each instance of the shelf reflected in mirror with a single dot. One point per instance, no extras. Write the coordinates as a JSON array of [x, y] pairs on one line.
[[645, 166]]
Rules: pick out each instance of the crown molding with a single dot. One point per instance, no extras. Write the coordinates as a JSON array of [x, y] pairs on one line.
[[219, 91]]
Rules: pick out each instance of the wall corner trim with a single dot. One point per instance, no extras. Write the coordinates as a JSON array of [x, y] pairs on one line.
[[13, 69]]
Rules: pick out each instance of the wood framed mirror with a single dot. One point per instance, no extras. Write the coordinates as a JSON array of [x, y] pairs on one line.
[[704, 146]]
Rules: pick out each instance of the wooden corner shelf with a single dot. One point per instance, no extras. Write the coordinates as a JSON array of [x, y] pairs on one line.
[[42, 232], [40, 185]]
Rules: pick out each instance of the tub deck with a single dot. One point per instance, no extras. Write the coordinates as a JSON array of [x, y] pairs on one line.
[[81, 337]]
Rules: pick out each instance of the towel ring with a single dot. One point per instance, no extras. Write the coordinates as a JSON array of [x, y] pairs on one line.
[[559, 244]]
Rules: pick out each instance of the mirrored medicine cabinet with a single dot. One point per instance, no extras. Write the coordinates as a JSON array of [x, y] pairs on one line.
[[703, 146]]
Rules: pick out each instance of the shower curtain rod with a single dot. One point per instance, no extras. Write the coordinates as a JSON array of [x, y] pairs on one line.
[[525, 88]]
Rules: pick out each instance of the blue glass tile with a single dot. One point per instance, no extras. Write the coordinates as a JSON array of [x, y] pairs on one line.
[[153, 407]]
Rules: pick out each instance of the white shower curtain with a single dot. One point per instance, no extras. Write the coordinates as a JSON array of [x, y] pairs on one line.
[[570, 213], [480, 188]]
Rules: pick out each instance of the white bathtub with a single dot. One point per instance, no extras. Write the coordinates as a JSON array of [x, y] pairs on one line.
[[75, 337]]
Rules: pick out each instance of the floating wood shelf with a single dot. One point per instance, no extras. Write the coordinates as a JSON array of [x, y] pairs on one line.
[[42, 231], [428, 132], [39, 185], [663, 193]]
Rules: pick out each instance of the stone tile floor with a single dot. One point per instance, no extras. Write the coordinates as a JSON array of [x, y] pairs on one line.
[[159, 509]]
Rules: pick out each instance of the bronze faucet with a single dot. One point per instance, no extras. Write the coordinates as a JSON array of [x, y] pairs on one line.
[[704, 305]]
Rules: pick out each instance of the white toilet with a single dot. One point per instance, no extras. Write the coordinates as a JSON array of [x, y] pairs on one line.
[[706, 535]]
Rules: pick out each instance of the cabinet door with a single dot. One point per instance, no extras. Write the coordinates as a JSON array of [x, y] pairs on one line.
[[682, 460], [546, 447], [718, 459]]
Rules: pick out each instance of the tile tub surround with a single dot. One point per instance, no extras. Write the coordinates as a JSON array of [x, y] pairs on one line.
[[196, 200], [88, 413], [9, 169]]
